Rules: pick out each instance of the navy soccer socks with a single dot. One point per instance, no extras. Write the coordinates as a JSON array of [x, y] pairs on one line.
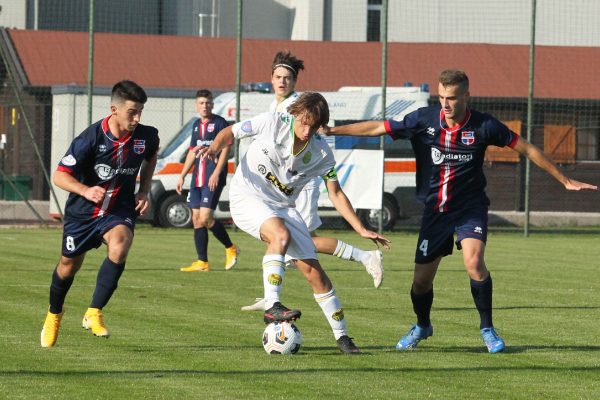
[[482, 296], [106, 283], [58, 291]]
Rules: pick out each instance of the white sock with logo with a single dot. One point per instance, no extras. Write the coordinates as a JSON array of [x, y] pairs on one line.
[[273, 272], [349, 252], [332, 309]]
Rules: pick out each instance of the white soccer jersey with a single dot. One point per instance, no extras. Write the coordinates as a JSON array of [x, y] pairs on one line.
[[282, 107], [269, 170]]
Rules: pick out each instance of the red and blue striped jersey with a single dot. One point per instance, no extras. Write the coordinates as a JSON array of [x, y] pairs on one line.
[[203, 134], [97, 158], [450, 160]]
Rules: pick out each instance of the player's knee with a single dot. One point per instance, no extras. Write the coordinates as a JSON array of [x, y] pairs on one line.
[[117, 252]]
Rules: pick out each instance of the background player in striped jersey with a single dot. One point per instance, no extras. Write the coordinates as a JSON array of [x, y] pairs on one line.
[[208, 181], [449, 141], [99, 170], [284, 76], [284, 156]]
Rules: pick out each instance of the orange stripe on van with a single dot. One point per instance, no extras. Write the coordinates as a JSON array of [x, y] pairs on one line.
[[400, 166], [171, 168]]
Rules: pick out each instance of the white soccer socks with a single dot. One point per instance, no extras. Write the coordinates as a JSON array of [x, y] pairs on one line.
[[273, 272], [332, 309], [348, 252]]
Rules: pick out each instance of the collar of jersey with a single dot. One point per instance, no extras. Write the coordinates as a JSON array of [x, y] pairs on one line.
[[294, 139], [457, 127], [110, 136]]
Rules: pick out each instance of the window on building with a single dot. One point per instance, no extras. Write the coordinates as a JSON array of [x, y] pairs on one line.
[[374, 9]]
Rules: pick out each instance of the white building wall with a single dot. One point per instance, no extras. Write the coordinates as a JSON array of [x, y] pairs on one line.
[[308, 19], [349, 20], [13, 14]]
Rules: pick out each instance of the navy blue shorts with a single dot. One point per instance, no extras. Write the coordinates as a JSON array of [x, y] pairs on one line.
[[203, 197], [81, 236], [436, 238]]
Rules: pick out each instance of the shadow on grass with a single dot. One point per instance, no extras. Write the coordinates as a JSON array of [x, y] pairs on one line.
[[159, 373], [533, 307]]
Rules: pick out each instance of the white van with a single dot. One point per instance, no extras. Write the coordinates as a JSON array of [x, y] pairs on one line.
[[349, 104]]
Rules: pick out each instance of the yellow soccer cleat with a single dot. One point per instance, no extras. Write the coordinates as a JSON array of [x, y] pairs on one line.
[[94, 320], [50, 329], [231, 254], [197, 266]]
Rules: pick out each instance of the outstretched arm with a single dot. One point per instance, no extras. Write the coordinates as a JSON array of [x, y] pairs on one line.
[[223, 139], [541, 160], [365, 128], [342, 204]]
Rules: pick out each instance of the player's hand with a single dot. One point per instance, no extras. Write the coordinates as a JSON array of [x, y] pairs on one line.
[[179, 185], [213, 181], [378, 239], [204, 152], [142, 202], [572, 184], [324, 130], [94, 194]]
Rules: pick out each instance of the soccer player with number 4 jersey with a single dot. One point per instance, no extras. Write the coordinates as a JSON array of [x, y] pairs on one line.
[[100, 170], [449, 142], [285, 154]]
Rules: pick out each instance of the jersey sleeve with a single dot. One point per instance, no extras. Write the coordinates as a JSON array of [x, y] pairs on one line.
[[328, 172], [498, 134], [155, 144], [77, 154], [194, 135], [254, 126], [404, 129]]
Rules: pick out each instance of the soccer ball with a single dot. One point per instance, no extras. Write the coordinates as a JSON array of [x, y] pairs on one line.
[[281, 338]]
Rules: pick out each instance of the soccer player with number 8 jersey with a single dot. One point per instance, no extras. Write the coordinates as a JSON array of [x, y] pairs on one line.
[[100, 170]]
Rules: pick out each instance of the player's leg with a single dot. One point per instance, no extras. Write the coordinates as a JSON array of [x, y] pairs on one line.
[[274, 232], [372, 260], [200, 233], [208, 206], [118, 236], [435, 241], [78, 238], [62, 279], [472, 237], [307, 206]]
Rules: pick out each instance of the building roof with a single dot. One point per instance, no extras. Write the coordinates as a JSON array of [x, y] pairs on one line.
[[51, 58]]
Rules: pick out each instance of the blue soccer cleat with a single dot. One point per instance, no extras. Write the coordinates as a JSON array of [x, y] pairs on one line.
[[413, 337], [493, 342]]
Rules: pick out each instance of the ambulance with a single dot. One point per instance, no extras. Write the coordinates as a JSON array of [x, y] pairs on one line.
[[348, 105]]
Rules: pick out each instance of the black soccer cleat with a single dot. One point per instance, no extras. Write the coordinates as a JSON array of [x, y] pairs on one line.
[[347, 346], [279, 312]]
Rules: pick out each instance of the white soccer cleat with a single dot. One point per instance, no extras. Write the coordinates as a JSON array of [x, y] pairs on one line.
[[259, 305], [374, 267]]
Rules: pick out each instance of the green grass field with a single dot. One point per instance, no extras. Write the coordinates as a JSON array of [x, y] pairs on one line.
[[177, 335]]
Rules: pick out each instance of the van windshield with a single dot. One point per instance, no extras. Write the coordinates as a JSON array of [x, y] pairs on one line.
[[182, 136]]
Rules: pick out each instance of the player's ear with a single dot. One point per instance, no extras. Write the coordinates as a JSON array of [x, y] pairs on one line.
[[113, 109]]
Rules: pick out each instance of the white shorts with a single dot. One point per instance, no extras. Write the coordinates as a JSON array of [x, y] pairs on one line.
[[249, 213], [308, 207]]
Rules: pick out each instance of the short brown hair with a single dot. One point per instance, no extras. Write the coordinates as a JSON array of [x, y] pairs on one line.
[[204, 93], [128, 90], [455, 77], [289, 61], [313, 107]]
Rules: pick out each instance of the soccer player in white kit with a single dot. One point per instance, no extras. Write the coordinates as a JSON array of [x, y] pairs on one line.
[[284, 75], [283, 157]]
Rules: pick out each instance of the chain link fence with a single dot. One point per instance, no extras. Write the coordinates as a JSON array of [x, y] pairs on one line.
[[43, 107]]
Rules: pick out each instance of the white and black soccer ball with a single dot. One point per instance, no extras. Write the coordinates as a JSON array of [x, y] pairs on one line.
[[281, 338]]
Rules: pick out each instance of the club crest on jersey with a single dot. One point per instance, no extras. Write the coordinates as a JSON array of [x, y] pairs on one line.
[[69, 160], [210, 128], [468, 137], [139, 145], [101, 148], [247, 126], [307, 157]]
